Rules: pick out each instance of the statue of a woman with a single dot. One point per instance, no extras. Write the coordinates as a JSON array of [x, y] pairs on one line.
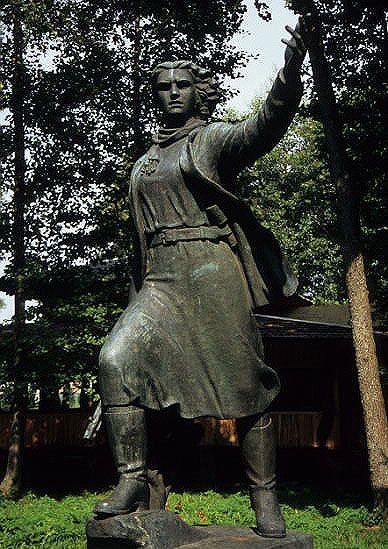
[[188, 337]]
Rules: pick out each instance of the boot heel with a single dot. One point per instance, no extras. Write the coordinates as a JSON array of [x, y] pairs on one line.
[[269, 519]]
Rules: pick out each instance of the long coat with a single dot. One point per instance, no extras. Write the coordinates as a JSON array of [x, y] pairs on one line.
[[188, 336], [268, 274]]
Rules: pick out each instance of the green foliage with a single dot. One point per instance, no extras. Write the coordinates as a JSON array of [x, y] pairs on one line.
[[290, 188], [69, 326], [88, 115], [370, 518], [212, 508], [89, 111], [356, 47], [334, 522], [44, 522]]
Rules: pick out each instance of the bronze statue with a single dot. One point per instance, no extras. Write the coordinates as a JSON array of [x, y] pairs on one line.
[[188, 337]]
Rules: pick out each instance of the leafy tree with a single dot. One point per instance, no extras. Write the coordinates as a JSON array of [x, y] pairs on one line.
[[348, 48], [10, 484], [89, 113], [356, 48], [366, 360], [95, 110], [86, 115]]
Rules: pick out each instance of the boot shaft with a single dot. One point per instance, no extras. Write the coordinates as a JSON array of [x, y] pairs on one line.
[[258, 448], [126, 430]]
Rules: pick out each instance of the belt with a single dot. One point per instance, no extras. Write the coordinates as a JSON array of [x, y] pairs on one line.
[[170, 236]]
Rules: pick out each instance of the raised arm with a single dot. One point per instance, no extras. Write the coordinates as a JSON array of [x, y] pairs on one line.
[[241, 144], [282, 102]]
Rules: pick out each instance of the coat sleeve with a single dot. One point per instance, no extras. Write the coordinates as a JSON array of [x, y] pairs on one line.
[[236, 146]]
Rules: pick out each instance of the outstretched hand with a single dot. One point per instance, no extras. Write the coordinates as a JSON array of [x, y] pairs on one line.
[[296, 49]]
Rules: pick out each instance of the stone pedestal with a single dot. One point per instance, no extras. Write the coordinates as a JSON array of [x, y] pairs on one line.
[[164, 530]]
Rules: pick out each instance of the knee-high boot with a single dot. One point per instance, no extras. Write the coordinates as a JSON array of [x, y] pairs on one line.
[[258, 445], [125, 426]]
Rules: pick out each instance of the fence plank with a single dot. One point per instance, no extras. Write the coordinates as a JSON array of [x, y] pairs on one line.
[[62, 430]]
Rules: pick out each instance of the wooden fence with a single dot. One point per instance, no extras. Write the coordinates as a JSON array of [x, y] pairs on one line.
[[63, 430]]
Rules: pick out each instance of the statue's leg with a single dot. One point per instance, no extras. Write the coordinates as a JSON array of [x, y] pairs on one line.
[[258, 447], [126, 430]]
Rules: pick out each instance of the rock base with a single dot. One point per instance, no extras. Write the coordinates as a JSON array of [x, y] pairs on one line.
[[164, 530]]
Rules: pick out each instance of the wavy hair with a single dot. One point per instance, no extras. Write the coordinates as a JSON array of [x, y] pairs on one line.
[[207, 90]]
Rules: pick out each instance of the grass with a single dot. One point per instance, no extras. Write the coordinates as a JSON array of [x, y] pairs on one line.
[[335, 522]]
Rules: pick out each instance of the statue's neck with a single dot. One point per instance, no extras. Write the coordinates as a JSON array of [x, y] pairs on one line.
[[176, 122], [167, 135]]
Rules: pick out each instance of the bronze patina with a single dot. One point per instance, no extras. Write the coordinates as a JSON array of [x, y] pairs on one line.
[[188, 338]]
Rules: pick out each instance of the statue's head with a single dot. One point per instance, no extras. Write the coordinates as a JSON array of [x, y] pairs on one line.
[[183, 89]]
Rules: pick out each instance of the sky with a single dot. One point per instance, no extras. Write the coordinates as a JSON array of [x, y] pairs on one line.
[[261, 37]]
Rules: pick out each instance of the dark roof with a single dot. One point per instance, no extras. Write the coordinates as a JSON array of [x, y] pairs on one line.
[[281, 327], [273, 327]]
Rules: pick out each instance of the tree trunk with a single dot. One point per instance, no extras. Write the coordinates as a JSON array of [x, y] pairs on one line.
[[372, 400], [11, 483], [138, 134]]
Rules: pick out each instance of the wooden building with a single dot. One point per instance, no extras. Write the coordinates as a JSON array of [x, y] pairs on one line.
[[318, 408], [319, 405]]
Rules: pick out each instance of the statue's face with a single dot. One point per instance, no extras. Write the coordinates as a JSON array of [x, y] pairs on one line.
[[176, 93]]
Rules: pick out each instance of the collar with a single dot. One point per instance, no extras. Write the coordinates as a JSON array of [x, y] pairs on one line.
[[167, 136]]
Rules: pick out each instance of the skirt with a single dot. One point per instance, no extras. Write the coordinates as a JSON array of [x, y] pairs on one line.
[[189, 337]]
